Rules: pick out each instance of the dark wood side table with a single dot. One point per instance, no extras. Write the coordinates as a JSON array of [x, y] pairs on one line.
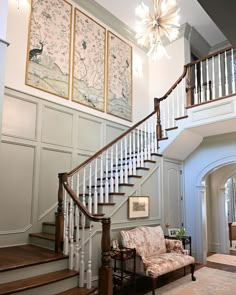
[[230, 233], [121, 276]]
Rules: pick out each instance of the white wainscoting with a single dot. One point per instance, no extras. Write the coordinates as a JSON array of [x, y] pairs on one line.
[[39, 140]]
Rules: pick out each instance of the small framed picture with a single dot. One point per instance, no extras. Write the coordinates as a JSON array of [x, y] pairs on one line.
[[138, 207], [172, 232], [114, 244]]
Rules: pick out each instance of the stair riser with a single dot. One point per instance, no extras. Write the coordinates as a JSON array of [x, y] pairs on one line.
[[49, 229], [53, 288], [22, 273], [131, 180], [42, 243]]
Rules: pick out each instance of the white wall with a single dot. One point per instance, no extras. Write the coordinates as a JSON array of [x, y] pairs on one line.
[[214, 152], [17, 35], [164, 73]]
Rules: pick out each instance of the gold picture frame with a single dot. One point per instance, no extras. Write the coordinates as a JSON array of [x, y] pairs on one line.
[[138, 207], [119, 77], [89, 62], [49, 47]]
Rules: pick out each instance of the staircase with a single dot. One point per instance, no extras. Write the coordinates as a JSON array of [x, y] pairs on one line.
[[90, 194], [34, 270]]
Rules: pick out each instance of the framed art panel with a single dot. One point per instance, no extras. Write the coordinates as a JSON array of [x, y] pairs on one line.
[[119, 80], [138, 207], [49, 46], [89, 62]]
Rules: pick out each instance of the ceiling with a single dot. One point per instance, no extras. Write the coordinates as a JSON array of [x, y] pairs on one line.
[[191, 12]]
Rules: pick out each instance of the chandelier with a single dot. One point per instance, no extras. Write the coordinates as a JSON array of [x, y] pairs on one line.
[[151, 28]]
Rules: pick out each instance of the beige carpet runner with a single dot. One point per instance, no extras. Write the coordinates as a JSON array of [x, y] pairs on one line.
[[223, 259], [209, 281]]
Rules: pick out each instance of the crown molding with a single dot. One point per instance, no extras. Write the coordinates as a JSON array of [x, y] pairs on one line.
[[108, 19], [220, 46]]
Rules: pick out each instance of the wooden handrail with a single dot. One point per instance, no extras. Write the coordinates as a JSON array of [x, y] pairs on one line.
[[105, 272], [209, 56], [173, 86], [72, 172], [78, 202]]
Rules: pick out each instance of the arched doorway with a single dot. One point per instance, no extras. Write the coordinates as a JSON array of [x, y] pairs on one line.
[[215, 232]]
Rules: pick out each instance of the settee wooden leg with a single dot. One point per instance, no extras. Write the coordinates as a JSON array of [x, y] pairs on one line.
[[153, 285], [192, 271]]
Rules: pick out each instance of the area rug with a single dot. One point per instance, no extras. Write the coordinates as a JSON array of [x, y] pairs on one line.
[[223, 259], [209, 281]]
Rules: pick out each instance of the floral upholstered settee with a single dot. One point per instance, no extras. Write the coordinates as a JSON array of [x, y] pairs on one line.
[[158, 255]]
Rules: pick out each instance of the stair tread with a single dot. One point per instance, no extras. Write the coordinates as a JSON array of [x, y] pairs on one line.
[[42, 235], [26, 255], [78, 291], [36, 281]]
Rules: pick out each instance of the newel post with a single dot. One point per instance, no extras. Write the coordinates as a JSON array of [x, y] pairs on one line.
[[158, 112], [189, 88], [105, 272], [60, 215]]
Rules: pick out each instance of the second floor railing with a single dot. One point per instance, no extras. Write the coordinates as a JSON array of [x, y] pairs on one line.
[[207, 79]]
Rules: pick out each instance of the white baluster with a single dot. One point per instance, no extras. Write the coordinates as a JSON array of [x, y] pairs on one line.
[[226, 76], [152, 122], [196, 86], [168, 116], [178, 103], [202, 98], [77, 258], [95, 197], [126, 161], [184, 97], [134, 154], [145, 141], [220, 82], [207, 81], [121, 162], [84, 188], [111, 174], [232, 70], [165, 104], [89, 270], [130, 155], [174, 106], [138, 147], [90, 189], [101, 191], [71, 234], [77, 186], [213, 78], [149, 139], [106, 180], [141, 147], [66, 224], [82, 256], [116, 172], [155, 134]]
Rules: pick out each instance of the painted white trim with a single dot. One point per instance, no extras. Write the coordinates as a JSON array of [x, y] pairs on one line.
[[18, 231]]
